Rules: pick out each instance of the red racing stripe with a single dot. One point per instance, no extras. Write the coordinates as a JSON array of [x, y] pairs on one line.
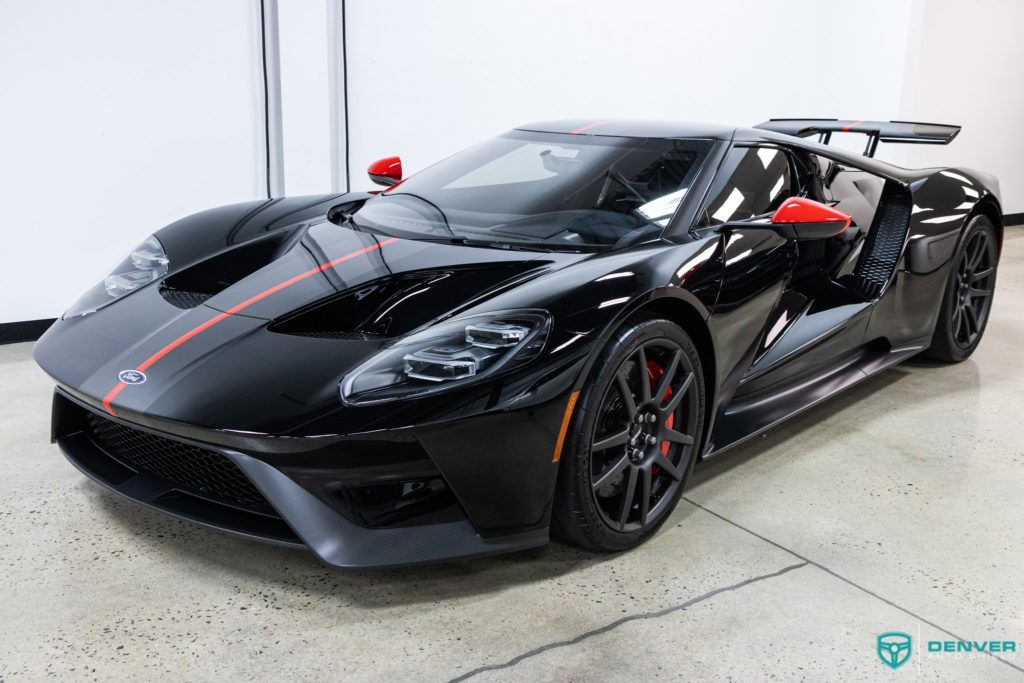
[[146, 364], [595, 124], [852, 125]]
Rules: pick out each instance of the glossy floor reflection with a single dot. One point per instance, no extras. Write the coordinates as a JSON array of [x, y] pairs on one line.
[[893, 508]]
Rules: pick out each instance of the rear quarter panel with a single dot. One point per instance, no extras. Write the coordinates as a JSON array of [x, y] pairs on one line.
[[943, 202]]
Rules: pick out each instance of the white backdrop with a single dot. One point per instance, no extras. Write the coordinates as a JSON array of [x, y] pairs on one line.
[[966, 67], [426, 79], [121, 116], [117, 117]]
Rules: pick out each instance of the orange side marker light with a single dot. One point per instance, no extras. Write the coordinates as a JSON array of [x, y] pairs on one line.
[[565, 426]]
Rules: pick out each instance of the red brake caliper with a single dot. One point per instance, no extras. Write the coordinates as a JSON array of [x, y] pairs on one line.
[[654, 372]]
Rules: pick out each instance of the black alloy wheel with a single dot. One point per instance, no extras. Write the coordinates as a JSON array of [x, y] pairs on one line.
[[968, 298], [638, 428]]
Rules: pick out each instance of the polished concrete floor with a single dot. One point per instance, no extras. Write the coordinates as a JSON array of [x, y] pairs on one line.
[[896, 507]]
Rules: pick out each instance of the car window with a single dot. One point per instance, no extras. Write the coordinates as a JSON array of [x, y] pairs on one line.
[[522, 164], [754, 181], [543, 190]]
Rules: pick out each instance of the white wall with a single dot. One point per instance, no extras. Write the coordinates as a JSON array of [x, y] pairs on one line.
[[121, 116], [117, 118], [426, 79], [968, 68], [305, 108]]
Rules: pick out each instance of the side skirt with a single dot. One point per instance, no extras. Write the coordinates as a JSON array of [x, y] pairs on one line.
[[750, 415]]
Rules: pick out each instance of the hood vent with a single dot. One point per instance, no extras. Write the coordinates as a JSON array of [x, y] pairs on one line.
[[395, 305], [192, 286]]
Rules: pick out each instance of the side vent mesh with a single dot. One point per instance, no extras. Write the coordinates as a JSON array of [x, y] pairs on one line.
[[885, 242]]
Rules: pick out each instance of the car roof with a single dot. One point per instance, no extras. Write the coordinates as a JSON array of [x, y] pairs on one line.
[[653, 128], [632, 128]]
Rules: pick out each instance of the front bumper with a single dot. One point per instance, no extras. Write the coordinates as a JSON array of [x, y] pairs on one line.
[[307, 499]]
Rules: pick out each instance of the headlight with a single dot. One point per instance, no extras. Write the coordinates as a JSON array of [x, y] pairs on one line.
[[146, 263], [452, 353]]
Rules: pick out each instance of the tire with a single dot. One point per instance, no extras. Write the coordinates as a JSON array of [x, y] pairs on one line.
[[967, 300], [613, 441]]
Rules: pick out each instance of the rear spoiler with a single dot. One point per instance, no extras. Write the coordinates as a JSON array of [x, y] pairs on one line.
[[884, 131]]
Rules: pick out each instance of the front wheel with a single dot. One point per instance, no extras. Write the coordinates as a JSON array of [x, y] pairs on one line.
[[635, 436], [968, 297]]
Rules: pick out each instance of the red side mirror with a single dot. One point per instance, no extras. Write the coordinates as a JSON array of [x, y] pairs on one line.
[[800, 218], [387, 171]]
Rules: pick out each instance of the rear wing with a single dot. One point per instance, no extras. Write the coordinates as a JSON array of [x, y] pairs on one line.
[[884, 131]]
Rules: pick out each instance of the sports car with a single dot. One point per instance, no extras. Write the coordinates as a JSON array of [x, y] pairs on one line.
[[540, 334]]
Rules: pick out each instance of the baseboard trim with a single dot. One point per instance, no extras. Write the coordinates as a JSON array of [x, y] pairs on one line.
[[1013, 219], [26, 330]]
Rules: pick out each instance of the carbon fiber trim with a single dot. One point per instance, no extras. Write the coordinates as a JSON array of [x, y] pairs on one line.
[[343, 544]]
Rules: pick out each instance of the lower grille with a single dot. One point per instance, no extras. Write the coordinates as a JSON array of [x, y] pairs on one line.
[[198, 469]]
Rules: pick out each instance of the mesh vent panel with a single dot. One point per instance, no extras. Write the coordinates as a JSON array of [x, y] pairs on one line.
[[191, 467]]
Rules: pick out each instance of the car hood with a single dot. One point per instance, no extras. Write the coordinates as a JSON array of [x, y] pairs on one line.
[[263, 347]]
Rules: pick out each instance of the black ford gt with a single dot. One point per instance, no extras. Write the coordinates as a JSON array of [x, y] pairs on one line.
[[543, 332]]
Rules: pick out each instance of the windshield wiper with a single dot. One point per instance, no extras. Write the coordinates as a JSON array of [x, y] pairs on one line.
[[429, 203]]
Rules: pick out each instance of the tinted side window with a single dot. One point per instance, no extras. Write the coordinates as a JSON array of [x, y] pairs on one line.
[[756, 181]]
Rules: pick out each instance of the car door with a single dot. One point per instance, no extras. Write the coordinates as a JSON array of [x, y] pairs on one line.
[[781, 310], [757, 264], [822, 316]]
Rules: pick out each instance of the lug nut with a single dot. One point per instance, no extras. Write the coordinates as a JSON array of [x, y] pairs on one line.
[[652, 417], [651, 440]]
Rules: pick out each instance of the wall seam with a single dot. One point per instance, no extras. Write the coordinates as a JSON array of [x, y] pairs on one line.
[[272, 119], [337, 74]]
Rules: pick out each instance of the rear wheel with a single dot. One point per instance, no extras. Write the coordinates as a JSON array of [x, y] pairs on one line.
[[968, 297], [634, 438]]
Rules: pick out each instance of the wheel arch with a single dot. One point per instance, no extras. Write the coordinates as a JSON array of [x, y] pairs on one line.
[[684, 309], [989, 207], [687, 317]]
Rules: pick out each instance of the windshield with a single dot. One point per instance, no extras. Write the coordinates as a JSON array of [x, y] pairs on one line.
[[542, 190]]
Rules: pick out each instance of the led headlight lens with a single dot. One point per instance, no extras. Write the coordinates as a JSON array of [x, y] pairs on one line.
[[496, 335], [451, 353], [146, 263]]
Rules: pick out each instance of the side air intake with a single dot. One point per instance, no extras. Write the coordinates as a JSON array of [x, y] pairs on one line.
[[884, 243]]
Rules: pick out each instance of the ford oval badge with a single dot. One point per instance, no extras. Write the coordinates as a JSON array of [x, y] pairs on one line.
[[131, 376]]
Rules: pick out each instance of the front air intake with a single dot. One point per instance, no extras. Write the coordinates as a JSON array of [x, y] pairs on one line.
[[199, 470]]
